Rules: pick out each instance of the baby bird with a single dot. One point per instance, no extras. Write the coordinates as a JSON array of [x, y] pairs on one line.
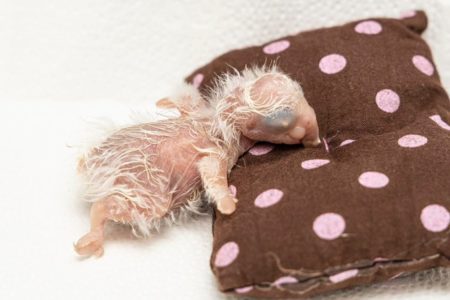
[[153, 172]]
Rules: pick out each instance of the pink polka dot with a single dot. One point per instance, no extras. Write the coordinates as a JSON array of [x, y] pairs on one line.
[[332, 63], [373, 180], [244, 289], [276, 47], [285, 280], [268, 198], [226, 254], [407, 14], [435, 218], [261, 149], [346, 142], [344, 275], [438, 120], [423, 64], [368, 27], [233, 190], [387, 100], [329, 226], [380, 259], [314, 163], [197, 80], [412, 141]]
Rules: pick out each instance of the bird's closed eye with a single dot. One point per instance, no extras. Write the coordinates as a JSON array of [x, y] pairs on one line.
[[280, 120]]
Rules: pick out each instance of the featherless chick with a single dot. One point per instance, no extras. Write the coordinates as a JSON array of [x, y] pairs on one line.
[[152, 173]]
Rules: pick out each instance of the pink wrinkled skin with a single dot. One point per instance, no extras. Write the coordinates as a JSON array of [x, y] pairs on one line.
[[148, 173]]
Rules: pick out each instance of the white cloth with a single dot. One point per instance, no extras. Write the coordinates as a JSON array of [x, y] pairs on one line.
[[64, 61]]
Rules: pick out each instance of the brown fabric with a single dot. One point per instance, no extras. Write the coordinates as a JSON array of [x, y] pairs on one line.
[[381, 224]]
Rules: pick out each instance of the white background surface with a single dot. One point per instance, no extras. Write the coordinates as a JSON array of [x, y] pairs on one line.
[[65, 62]]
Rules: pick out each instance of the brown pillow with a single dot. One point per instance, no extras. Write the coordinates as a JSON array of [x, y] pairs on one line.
[[372, 203]]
